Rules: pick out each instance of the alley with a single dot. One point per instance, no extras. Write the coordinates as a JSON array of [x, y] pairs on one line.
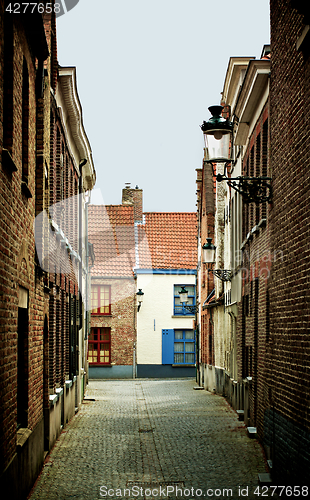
[[150, 438]]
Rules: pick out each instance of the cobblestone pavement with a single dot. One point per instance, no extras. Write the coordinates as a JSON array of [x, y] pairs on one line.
[[150, 438]]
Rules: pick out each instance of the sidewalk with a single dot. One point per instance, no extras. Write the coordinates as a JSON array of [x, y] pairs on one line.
[[147, 438]]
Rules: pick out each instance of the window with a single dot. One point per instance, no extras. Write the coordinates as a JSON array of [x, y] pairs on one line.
[[184, 347], [25, 123], [22, 358], [99, 346], [179, 308], [101, 299]]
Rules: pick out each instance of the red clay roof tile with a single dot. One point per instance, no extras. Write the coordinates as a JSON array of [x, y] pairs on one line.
[[171, 239], [111, 231]]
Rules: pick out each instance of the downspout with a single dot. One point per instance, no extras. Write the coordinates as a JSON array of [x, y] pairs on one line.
[[87, 328], [81, 322]]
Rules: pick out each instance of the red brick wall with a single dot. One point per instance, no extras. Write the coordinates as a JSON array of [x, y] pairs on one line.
[[288, 353], [206, 208], [122, 319], [134, 197], [49, 293], [17, 246]]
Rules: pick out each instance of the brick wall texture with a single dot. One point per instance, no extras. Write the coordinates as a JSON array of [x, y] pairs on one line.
[[36, 170], [17, 246], [288, 352], [206, 211], [121, 321]]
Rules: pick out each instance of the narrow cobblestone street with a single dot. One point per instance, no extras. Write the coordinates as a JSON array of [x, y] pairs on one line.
[[151, 434]]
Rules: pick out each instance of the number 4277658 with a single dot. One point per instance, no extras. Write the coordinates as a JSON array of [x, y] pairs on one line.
[[30, 8], [287, 491]]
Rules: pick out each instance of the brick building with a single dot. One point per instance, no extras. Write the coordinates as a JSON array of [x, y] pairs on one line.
[[23, 303], [286, 421], [234, 320], [111, 345], [264, 246], [135, 250], [40, 381], [246, 92]]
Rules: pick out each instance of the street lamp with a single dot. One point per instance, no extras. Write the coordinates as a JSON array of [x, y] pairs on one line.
[[218, 136], [183, 294], [208, 252], [208, 257], [139, 295]]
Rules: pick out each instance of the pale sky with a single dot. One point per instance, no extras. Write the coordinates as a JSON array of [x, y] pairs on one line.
[[147, 71]]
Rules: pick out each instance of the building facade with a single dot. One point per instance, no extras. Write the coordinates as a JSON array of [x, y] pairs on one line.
[[138, 251], [42, 259], [23, 300], [286, 420], [262, 246], [234, 316], [111, 344], [166, 335]]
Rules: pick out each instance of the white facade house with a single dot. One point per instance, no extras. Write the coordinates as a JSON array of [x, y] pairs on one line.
[[166, 337]]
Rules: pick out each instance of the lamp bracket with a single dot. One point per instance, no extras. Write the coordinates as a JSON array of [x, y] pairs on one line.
[[192, 309], [252, 189], [222, 274]]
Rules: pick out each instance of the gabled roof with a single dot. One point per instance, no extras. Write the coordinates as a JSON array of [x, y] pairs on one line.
[[168, 240], [111, 231]]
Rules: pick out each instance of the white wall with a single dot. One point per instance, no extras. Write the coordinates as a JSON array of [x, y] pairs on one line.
[[158, 305]]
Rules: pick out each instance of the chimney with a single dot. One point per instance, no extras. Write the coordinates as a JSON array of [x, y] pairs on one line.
[[133, 196]]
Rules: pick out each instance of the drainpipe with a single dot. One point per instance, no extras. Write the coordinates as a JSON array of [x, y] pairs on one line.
[[81, 322], [87, 268]]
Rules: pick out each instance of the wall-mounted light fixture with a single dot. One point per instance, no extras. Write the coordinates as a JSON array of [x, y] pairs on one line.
[[183, 294], [208, 257], [208, 252], [139, 295], [218, 135]]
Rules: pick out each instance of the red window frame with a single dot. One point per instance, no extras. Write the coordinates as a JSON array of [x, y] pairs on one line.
[[95, 344], [96, 290]]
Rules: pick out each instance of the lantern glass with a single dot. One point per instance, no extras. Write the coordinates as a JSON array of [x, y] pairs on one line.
[[208, 252], [140, 295], [183, 293], [218, 144]]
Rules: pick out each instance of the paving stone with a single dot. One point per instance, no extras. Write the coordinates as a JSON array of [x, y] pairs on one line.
[[151, 434]]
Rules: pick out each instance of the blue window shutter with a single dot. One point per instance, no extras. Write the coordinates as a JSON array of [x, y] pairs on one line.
[[168, 347]]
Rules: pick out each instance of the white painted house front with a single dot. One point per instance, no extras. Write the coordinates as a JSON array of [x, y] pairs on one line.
[[166, 341]]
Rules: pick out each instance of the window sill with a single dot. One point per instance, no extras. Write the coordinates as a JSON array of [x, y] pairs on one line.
[[100, 364], [22, 436], [7, 161], [183, 365], [53, 398], [26, 190], [94, 315], [183, 316]]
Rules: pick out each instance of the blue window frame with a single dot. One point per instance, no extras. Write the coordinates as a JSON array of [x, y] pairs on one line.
[[184, 347], [179, 309]]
